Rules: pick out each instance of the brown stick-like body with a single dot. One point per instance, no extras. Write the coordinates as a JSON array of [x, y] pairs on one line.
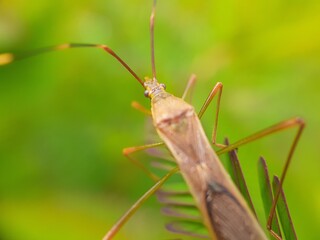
[[224, 211]]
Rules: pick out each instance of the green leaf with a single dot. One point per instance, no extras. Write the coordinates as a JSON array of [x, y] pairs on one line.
[[266, 194], [283, 212], [238, 177]]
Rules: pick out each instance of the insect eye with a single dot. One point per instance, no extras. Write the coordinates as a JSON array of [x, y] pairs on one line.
[[146, 93], [163, 86]]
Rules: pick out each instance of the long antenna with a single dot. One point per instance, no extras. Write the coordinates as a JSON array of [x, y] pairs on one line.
[[6, 58], [152, 38]]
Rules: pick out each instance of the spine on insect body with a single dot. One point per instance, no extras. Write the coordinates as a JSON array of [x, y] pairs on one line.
[[225, 213]]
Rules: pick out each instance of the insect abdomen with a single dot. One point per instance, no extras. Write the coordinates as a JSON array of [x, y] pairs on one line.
[[228, 217]]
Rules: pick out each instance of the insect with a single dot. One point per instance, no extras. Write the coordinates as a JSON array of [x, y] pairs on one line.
[[225, 213]]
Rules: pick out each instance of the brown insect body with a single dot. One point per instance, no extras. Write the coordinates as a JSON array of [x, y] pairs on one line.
[[224, 211]]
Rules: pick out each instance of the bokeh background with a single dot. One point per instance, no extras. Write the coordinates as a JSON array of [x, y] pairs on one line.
[[65, 116]]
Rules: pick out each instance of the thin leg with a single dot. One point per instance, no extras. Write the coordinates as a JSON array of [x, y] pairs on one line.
[[216, 89], [283, 175], [189, 87], [294, 122], [128, 151], [140, 108], [137, 204]]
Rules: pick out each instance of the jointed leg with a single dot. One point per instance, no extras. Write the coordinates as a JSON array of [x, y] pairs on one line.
[[294, 122], [137, 204], [283, 175], [189, 88], [128, 151], [140, 108], [216, 89]]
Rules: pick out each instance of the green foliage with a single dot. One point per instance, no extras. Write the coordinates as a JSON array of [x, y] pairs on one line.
[[267, 196], [66, 116], [283, 212]]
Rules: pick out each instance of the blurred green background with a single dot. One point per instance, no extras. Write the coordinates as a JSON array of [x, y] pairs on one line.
[[65, 116]]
